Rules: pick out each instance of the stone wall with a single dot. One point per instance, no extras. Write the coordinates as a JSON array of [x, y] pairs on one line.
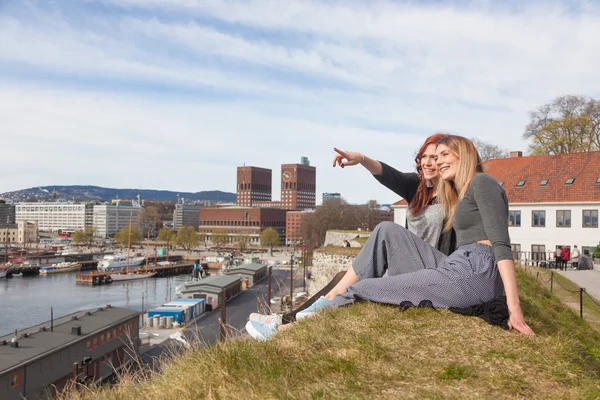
[[326, 264]]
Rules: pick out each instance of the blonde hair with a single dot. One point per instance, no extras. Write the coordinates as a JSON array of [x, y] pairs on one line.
[[469, 164]]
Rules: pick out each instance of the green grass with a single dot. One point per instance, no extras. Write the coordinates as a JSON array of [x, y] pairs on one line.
[[370, 351]]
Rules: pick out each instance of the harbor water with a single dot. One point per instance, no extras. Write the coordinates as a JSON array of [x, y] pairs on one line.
[[26, 301]]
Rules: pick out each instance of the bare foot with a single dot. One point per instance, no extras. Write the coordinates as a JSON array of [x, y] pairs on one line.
[[285, 327]]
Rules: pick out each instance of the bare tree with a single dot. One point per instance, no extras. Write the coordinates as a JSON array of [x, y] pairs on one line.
[[489, 151], [569, 124]]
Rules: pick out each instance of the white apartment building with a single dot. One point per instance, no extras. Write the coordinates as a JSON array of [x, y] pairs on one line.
[[53, 216], [108, 219], [554, 200]]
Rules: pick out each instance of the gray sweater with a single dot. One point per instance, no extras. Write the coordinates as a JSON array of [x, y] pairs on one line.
[[483, 215]]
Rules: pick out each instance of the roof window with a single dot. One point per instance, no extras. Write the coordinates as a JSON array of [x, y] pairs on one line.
[[570, 181], [502, 183], [521, 183], [598, 180], [544, 182]]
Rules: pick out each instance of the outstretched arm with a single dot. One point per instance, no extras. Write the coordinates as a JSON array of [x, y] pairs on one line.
[[348, 158], [516, 320]]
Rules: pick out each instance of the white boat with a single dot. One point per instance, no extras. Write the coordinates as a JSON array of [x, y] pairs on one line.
[[2, 273], [60, 267], [130, 276], [116, 263]]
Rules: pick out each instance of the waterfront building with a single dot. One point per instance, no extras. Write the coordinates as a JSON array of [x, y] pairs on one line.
[[327, 196], [554, 200], [22, 232], [212, 288], [254, 272], [109, 219], [253, 185], [236, 220], [54, 216], [294, 221], [7, 213], [186, 215], [298, 186], [88, 346]]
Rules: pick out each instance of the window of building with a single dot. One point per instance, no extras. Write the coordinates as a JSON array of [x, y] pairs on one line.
[[590, 218], [563, 218], [538, 252], [538, 218], [569, 181], [544, 182], [521, 183], [516, 250], [598, 180], [15, 380], [514, 218]]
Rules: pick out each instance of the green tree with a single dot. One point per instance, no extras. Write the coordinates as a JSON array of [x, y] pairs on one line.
[[187, 237], [219, 238], [566, 125], [167, 236], [270, 237], [86, 236], [122, 237], [242, 240]]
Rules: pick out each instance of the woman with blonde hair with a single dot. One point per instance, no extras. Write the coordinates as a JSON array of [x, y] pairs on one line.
[[478, 271]]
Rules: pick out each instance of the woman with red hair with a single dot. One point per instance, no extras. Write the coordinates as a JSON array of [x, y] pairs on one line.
[[424, 218]]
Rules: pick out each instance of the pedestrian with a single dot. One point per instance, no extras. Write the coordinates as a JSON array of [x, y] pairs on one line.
[[575, 257], [566, 257], [481, 268], [558, 257]]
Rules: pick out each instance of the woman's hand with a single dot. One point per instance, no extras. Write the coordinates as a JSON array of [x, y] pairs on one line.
[[517, 322], [350, 157]]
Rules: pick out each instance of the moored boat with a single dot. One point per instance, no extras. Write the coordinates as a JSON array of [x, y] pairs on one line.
[[130, 276], [116, 263], [2, 273], [60, 267]]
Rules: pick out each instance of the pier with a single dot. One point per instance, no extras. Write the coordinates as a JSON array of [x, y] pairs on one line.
[[103, 278]]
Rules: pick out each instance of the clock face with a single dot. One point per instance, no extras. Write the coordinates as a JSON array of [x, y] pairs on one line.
[[286, 176]]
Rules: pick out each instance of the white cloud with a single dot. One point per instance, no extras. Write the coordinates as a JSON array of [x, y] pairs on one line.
[[174, 94]]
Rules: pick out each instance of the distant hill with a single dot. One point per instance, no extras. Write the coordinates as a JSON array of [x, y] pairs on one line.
[[86, 193]]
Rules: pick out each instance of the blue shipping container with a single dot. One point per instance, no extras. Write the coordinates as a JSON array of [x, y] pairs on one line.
[[177, 314]]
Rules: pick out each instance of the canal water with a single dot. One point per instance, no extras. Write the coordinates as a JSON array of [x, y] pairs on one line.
[[26, 301]]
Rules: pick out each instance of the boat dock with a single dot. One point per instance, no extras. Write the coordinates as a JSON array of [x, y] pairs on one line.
[[103, 278]]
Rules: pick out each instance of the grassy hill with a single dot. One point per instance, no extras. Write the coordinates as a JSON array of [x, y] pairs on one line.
[[370, 351]]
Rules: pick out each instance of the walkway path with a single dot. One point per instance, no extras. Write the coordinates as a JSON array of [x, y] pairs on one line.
[[589, 280]]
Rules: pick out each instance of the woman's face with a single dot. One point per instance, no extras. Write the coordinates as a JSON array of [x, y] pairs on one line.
[[447, 162], [427, 162]]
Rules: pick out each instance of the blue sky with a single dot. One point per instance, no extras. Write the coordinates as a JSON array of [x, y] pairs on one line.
[[175, 94]]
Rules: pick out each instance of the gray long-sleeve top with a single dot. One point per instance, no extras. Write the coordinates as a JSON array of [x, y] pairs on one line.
[[429, 224], [483, 215]]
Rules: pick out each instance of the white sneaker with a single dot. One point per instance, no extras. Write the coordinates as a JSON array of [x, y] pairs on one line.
[[265, 319]]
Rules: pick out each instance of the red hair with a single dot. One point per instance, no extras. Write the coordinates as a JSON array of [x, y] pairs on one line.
[[424, 193]]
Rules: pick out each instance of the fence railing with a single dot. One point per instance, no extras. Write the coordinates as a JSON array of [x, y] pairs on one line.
[[581, 290]]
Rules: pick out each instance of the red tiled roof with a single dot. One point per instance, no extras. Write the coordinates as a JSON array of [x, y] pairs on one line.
[[400, 203], [583, 167]]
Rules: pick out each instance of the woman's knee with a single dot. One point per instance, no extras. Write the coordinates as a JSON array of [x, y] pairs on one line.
[[387, 228]]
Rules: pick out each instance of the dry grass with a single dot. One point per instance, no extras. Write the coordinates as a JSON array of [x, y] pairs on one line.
[[369, 351], [338, 250]]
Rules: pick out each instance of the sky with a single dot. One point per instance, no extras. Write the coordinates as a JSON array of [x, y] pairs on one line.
[[175, 94]]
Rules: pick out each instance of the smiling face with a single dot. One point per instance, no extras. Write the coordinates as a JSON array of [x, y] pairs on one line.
[[447, 162], [428, 165]]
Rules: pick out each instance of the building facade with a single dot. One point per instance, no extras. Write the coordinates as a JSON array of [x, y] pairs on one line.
[[327, 196], [298, 186], [294, 222], [7, 213], [186, 215], [554, 200], [253, 185], [85, 346], [253, 272], [213, 288], [241, 220], [53, 216], [109, 219]]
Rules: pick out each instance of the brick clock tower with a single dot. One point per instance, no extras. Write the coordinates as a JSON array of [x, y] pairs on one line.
[[298, 186]]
